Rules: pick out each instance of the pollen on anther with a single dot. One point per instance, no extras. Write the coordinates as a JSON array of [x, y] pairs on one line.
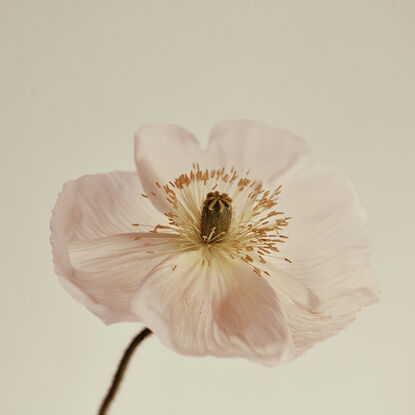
[[253, 226]]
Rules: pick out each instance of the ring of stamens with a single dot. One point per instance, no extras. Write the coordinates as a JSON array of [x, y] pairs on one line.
[[252, 234]]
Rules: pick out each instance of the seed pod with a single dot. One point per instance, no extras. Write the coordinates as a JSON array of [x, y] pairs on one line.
[[216, 216]]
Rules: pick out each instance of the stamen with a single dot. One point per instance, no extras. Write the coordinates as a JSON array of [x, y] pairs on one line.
[[218, 213]]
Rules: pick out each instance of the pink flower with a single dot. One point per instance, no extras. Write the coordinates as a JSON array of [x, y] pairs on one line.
[[273, 262]]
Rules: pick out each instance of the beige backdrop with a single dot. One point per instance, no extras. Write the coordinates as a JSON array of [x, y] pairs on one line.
[[78, 77]]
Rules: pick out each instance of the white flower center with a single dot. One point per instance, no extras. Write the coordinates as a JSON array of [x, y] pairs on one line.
[[221, 214]]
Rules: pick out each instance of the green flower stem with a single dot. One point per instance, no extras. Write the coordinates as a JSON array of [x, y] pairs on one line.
[[122, 366]]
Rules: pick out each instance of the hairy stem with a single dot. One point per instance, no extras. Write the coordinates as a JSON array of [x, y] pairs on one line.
[[122, 366]]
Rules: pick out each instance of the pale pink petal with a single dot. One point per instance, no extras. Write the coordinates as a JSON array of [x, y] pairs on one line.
[[111, 270], [308, 328], [162, 153], [93, 246], [328, 248], [306, 315], [291, 290], [267, 152], [225, 310]]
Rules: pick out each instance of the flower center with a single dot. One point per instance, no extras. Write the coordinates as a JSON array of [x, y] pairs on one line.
[[219, 214], [216, 216]]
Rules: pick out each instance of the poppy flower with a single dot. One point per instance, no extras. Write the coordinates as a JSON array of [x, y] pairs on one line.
[[245, 249]]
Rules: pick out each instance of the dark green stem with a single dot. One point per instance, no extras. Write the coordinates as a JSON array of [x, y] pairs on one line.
[[122, 366]]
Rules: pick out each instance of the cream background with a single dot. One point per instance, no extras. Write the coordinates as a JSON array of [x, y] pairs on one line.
[[77, 79]]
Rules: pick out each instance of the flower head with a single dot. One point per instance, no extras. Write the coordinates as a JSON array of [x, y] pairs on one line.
[[246, 249]]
